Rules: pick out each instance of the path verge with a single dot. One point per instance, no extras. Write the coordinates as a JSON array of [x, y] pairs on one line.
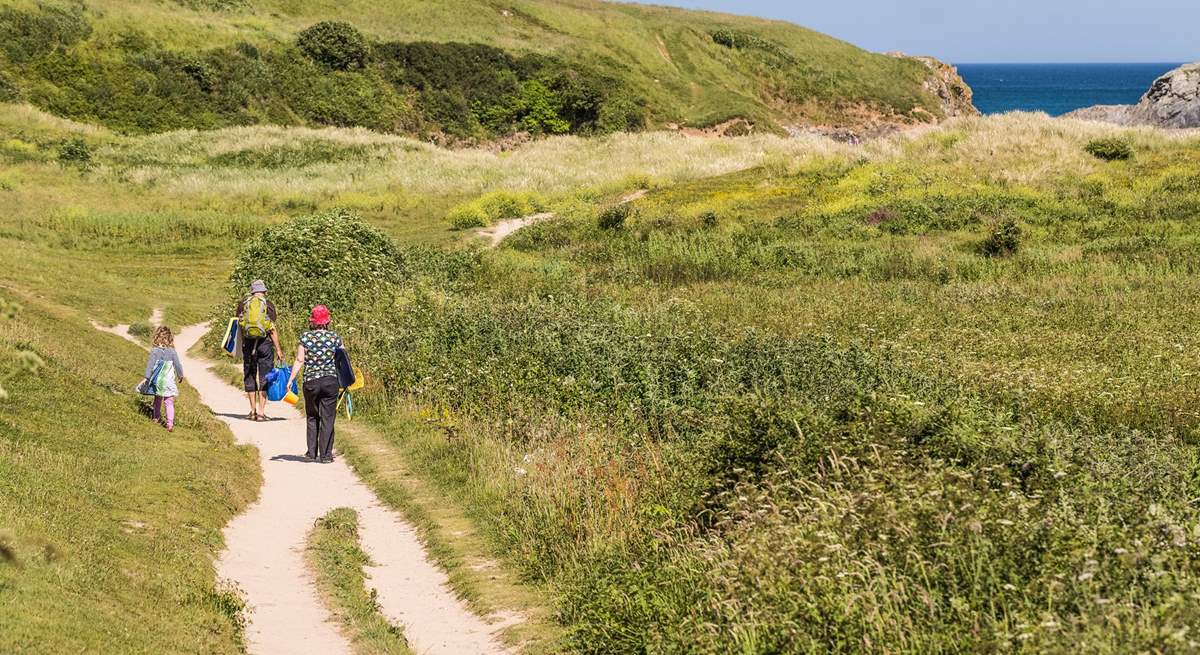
[[336, 556]]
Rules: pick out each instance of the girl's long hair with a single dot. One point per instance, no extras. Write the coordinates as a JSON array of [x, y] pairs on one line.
[[163, 337]]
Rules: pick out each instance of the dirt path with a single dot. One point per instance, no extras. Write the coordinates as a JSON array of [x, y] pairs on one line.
[[264, 553], [503, 229]]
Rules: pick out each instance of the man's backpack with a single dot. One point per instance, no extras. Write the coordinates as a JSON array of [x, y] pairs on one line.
[[256, 321]]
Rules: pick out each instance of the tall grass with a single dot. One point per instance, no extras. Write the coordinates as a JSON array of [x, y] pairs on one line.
[[796, 409]]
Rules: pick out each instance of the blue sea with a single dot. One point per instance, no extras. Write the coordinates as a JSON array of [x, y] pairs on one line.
[[1058, 88]]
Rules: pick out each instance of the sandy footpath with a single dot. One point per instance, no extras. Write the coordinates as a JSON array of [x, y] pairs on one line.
[[264, 554]]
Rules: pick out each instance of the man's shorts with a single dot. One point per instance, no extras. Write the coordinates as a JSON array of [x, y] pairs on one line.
[[258, 357]]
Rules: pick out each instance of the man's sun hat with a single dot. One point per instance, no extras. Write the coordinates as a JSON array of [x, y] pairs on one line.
[[258, 286], [319, 316]]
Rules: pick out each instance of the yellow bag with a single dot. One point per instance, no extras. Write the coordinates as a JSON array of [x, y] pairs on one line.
[[291, 398], [359, 380]]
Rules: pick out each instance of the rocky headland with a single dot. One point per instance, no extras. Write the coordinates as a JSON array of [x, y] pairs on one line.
[[1173, 101]]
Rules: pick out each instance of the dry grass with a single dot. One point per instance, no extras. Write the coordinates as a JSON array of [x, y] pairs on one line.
[[179, 162]]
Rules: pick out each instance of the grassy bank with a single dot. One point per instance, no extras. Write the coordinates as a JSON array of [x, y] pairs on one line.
[[110, 525]]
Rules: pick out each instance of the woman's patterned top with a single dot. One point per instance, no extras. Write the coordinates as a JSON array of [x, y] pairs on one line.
[[319, 347]]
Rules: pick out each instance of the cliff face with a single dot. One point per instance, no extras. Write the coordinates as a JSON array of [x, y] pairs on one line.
[[955, 97], [1173, 101]]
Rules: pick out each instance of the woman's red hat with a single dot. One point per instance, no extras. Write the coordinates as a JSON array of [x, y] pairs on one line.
[[319, 316]]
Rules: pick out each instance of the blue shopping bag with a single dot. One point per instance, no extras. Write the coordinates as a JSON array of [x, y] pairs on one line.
[[277, 383]]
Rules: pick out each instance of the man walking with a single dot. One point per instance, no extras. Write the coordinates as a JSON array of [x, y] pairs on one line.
[[260, 346]]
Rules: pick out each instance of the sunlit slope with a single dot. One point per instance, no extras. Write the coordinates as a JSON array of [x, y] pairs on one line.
[[664, 65]]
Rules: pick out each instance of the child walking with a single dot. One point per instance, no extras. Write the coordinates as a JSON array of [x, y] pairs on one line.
[[166, 381]]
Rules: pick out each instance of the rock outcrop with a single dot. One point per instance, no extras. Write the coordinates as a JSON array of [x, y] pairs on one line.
[[955, 97], [1173, 101]]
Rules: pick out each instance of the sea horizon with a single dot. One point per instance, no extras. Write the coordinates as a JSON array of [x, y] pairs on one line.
[[1058, 88]]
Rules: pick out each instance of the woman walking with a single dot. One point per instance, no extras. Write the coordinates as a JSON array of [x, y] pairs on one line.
[[316, 355]]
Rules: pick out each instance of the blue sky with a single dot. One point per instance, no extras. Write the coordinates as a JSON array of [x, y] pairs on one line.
[[975, 31]]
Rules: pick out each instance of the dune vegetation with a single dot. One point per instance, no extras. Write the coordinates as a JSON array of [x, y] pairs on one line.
[[929, 394], [933, 393]]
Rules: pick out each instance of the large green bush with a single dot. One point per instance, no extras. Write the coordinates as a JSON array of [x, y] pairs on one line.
[[334, 258], [8, 88], [335, 44]]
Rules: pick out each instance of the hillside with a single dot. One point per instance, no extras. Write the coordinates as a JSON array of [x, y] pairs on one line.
[[453, 70]]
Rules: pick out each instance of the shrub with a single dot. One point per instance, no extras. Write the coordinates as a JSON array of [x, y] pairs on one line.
[[334, 258], [492, 207], [8, 89], [76, 152], [613, 218], [880, 216], [25, 35], [295, 154], [502, 205], [541, 108], [1003, 240], [467, 216], [1109, 149], [335, 44], [736, 40]]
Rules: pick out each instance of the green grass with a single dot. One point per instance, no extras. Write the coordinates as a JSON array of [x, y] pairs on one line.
[[113, 523], [769, 393], [788, 404], [338, 560], [238, 65], [399, 454]]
